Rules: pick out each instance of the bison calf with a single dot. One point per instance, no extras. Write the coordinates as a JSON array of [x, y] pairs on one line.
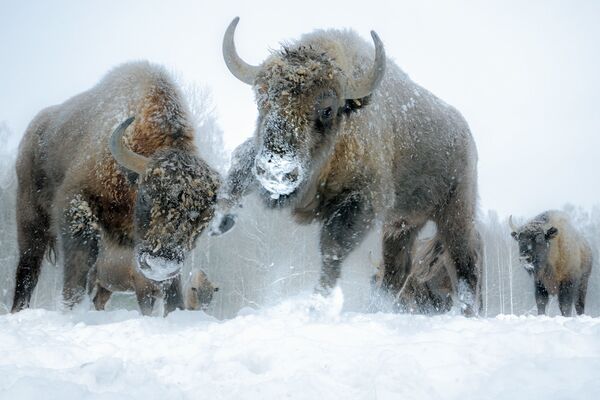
[[118, 274], [199, 291], [558, 257]]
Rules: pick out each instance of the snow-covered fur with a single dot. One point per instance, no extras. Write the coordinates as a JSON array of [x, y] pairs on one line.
[[558, 257], [399, 155], [71, 186]]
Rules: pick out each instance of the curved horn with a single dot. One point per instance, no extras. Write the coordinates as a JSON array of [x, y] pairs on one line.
[[511, 223], [238, 67], [125, 157], [363, 87]]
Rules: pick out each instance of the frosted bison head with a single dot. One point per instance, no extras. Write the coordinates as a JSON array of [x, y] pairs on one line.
[[534, 242], [302, 95], [175, 201]]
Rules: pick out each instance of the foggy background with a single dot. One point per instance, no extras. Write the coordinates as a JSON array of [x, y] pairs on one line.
[[524, 75]]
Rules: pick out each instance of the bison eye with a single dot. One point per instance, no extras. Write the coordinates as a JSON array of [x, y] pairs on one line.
[[326, 114]]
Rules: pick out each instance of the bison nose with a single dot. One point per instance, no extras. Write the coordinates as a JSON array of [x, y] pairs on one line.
[[279, 174]]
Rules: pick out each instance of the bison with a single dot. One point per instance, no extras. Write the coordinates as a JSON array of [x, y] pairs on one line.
[[198, 291], [145, 196], [345, 138], [558, 257], [119, 274]]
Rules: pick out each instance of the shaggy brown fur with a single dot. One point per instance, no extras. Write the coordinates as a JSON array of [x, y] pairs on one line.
[[71, 186]]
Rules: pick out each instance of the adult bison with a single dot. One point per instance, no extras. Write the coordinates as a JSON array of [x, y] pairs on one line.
[[144, 198], [344, 137], [558, 257]]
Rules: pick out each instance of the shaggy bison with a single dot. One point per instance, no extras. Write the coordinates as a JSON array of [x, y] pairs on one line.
[[345, 138], [558, 257], [146, 196]]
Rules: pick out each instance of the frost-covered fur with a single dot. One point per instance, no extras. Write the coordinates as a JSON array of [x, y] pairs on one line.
[[70, 185], [400, 155], [558, 257]]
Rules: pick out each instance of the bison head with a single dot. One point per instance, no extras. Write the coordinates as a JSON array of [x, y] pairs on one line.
[[200, 291], [534, 241], [303, 95], [175, 200]]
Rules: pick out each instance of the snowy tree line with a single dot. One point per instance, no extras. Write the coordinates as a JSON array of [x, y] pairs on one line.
[[269, 257]]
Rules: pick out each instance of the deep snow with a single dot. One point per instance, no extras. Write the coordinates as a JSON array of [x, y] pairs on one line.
[[302, 348]]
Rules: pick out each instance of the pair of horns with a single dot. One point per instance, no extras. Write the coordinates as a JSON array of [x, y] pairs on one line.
[[355, 89], [125, 157]]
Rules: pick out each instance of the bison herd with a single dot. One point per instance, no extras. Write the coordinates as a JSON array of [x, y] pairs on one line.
[[344, 138]]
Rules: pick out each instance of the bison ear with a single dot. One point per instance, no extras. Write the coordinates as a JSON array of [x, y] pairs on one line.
[[514, 235], [551, 233]]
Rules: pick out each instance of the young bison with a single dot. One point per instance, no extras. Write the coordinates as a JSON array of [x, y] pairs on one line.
[[145, 197], [558, 257], [118, 274]]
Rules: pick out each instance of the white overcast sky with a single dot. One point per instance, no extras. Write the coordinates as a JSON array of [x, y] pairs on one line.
[[524, 74]]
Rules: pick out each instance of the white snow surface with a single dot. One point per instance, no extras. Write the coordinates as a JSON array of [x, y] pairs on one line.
[[303, 348]]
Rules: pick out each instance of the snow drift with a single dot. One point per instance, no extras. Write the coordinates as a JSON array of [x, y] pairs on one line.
[[293, 351]]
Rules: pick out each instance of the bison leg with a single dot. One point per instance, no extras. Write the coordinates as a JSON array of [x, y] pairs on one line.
[[239, 182], [581, 292], [101, 298], [457, 230], [145, 300], [346, 221], [173, 296], [398, 240], [80, 236], [465, 256], [79, 258], [33, 228], [566, 293], [541, 297]]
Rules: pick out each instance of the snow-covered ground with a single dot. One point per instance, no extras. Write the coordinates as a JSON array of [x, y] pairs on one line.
[[299, 349]]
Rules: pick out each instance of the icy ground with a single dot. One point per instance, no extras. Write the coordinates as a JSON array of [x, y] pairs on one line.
[[300, 349]]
